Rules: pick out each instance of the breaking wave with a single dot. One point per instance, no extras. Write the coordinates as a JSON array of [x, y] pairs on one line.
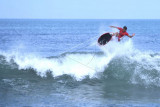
[[117, 61]]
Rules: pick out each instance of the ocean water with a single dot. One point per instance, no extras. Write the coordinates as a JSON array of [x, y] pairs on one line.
[[58, 63]]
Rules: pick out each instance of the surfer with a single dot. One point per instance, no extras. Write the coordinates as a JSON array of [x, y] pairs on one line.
[[122, 32]]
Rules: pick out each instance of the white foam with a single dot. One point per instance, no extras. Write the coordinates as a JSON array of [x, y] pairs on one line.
[[81, 65], [114, 48], [147, 70], [77, 65]]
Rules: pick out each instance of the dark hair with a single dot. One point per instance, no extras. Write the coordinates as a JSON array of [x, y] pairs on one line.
[[125, 27]]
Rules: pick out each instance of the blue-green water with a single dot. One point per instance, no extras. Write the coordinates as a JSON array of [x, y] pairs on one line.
[[58, 63]]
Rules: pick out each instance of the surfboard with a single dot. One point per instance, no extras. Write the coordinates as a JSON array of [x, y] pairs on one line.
[[104, 38]]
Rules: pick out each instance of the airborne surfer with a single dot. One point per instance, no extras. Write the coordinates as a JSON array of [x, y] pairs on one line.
[[122, 32]]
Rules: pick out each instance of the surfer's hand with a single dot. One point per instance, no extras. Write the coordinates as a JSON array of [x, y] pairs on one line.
[[111, 26], [133, 34]]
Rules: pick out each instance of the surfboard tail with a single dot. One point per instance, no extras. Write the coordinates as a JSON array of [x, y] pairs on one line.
[[104, 38]]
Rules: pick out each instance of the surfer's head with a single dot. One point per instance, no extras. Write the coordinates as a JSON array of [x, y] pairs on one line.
[[125, 28]]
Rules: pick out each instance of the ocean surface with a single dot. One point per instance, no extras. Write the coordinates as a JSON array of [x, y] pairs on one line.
[[58, 63]]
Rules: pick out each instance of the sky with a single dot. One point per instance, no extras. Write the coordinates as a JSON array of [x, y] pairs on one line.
[[80, 9]]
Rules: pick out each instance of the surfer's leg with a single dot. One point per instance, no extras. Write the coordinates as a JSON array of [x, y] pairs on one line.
[[115, 34]]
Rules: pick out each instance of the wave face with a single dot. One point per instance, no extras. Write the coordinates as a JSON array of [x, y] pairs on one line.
[[117, 61]]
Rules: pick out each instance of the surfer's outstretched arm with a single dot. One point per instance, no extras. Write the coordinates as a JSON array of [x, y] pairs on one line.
[[114, 27], [131, 35]]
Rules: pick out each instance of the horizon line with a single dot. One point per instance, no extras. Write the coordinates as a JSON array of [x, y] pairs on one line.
[[75, 19]]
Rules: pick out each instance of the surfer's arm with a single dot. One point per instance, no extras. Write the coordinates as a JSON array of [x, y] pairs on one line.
[[131, 35], [114, 27], [119, 28]]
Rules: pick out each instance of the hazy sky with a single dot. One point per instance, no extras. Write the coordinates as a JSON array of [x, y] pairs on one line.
[[80, 9]]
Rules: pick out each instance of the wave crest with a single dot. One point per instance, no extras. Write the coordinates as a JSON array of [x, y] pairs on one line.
[[118, 61]]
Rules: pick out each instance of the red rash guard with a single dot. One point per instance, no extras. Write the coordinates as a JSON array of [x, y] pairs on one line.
[[121, 33]]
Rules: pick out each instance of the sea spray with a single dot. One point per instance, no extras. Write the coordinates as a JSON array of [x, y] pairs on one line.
[[142, 67], [76, 65]]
